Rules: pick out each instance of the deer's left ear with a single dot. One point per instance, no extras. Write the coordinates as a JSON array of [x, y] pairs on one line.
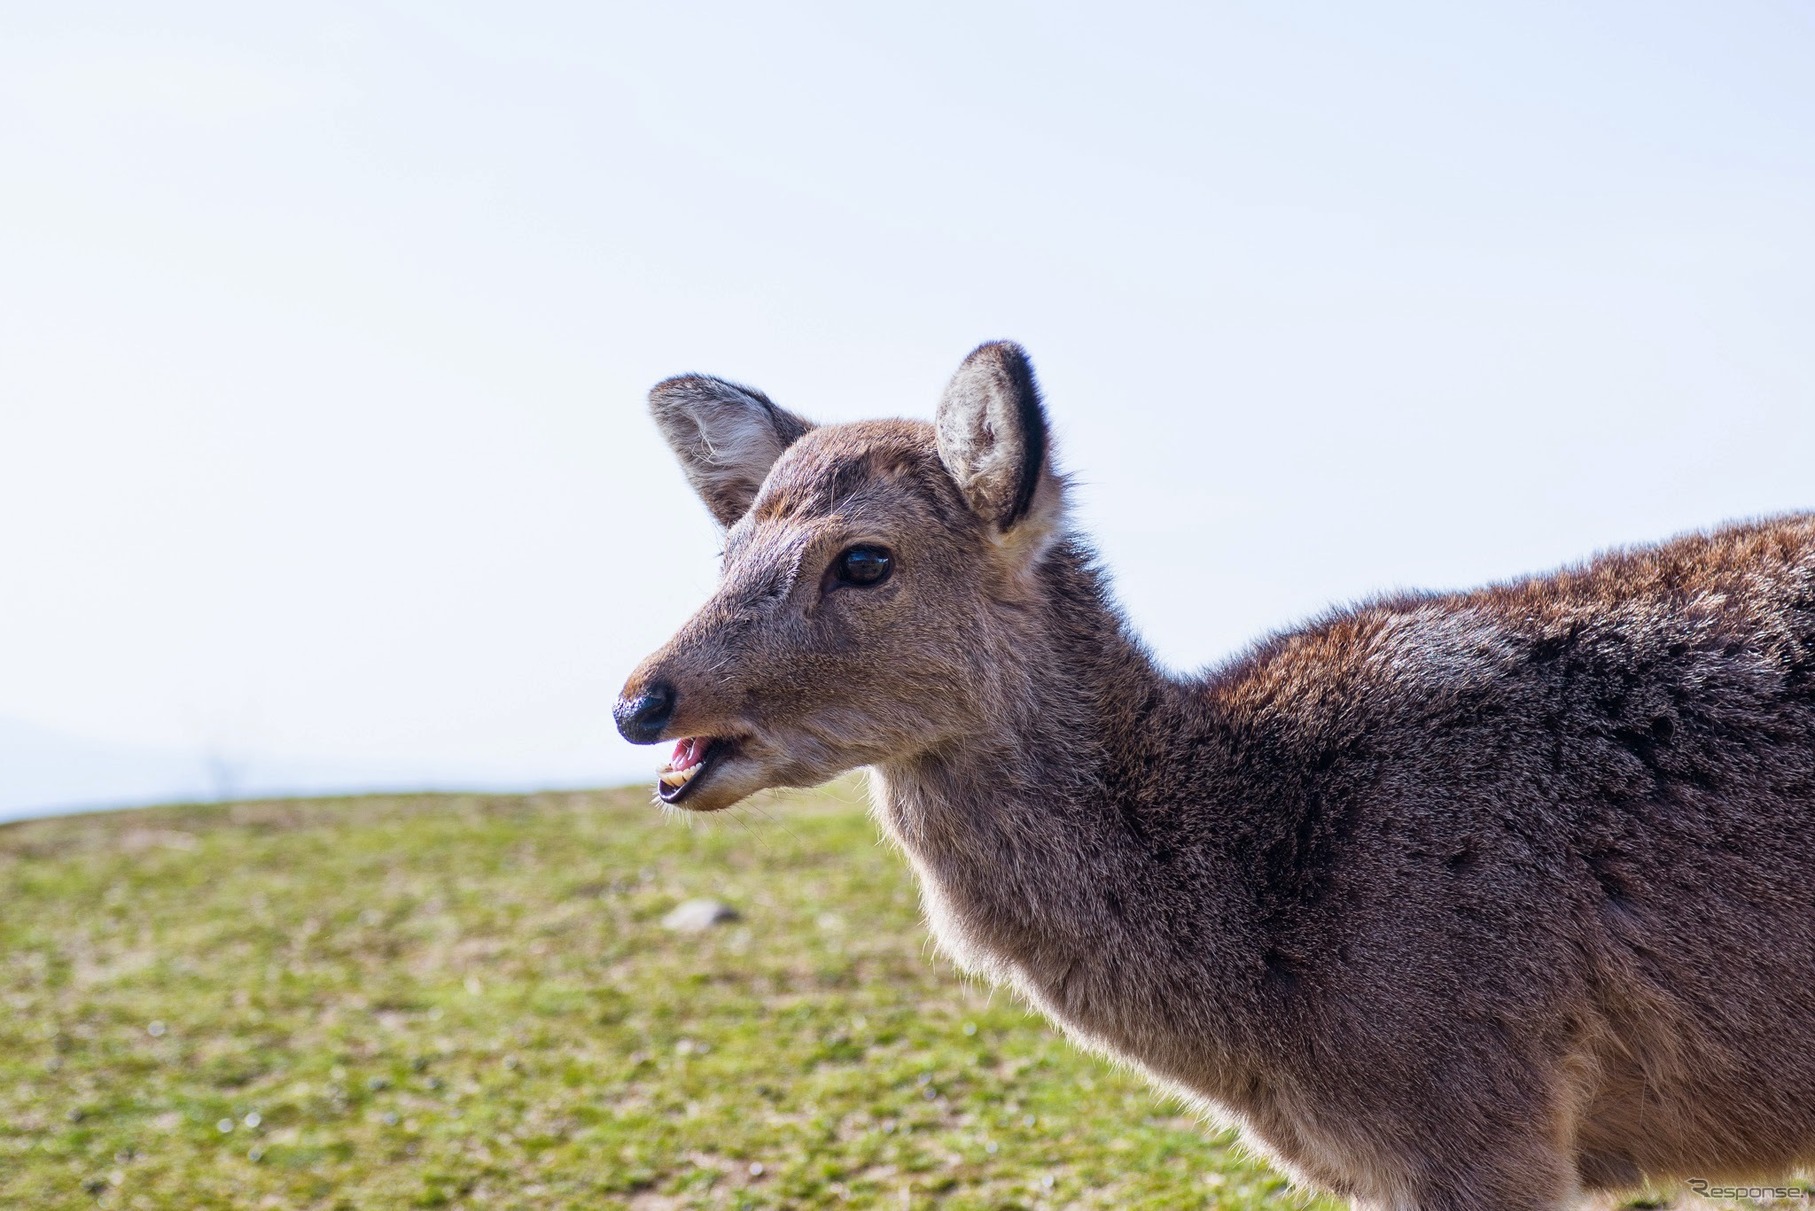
[[993, 440], [725, 436]]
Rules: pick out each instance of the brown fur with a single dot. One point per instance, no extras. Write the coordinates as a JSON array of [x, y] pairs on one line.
[[1469, 900]]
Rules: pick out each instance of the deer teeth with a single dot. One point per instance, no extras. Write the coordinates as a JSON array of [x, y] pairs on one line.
[[681, 777]]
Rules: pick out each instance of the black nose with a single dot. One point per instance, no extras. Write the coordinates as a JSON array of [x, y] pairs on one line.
[[641, 719]]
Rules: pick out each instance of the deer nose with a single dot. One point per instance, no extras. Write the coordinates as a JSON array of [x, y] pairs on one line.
[[641, 719]]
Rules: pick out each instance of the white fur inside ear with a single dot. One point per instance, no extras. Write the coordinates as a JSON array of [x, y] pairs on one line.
[[1021, 548], [991, 432], [735, 444], [983, 451], [725, 436]]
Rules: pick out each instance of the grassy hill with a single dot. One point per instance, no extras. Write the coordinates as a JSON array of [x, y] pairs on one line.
[[471, 1001], [444, 1000]]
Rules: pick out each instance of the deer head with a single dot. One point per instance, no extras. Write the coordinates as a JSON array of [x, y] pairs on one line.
[[874, 575]]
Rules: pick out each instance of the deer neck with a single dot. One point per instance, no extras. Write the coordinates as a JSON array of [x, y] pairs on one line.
[[1042, 845], [1063, 698]]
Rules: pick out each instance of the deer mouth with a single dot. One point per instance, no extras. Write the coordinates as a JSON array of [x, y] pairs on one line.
[[692, 761]]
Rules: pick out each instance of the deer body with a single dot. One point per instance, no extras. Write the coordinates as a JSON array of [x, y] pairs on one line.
[[1464, 901]]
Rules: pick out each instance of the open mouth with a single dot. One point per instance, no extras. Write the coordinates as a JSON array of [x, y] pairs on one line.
[[691, 762]]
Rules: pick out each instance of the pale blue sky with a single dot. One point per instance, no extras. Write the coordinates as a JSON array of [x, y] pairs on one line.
[[324, 334]]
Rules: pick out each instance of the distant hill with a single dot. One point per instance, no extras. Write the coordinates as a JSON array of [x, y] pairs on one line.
[[46, 772], [43, 771]]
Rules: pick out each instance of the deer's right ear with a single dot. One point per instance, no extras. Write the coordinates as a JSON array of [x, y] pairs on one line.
[[725, 436], [991, 431]]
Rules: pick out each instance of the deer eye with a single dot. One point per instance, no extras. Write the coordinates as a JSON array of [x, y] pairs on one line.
[[863, 565]]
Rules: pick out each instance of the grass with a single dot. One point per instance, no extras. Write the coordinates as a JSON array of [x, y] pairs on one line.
[[432, 1001], [470, 1001]]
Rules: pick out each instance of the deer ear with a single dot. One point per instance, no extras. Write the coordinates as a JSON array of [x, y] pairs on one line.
[[725, 436], [992, 433]]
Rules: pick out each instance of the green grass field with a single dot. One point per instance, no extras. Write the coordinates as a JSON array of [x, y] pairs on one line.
[[435, 1001]]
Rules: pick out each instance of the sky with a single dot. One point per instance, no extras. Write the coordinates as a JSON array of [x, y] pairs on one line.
[[325, 329]]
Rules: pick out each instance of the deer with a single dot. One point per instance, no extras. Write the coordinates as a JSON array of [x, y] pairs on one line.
[[1448, 901]]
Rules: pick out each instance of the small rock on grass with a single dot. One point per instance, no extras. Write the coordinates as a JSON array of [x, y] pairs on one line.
[[692, 916]]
